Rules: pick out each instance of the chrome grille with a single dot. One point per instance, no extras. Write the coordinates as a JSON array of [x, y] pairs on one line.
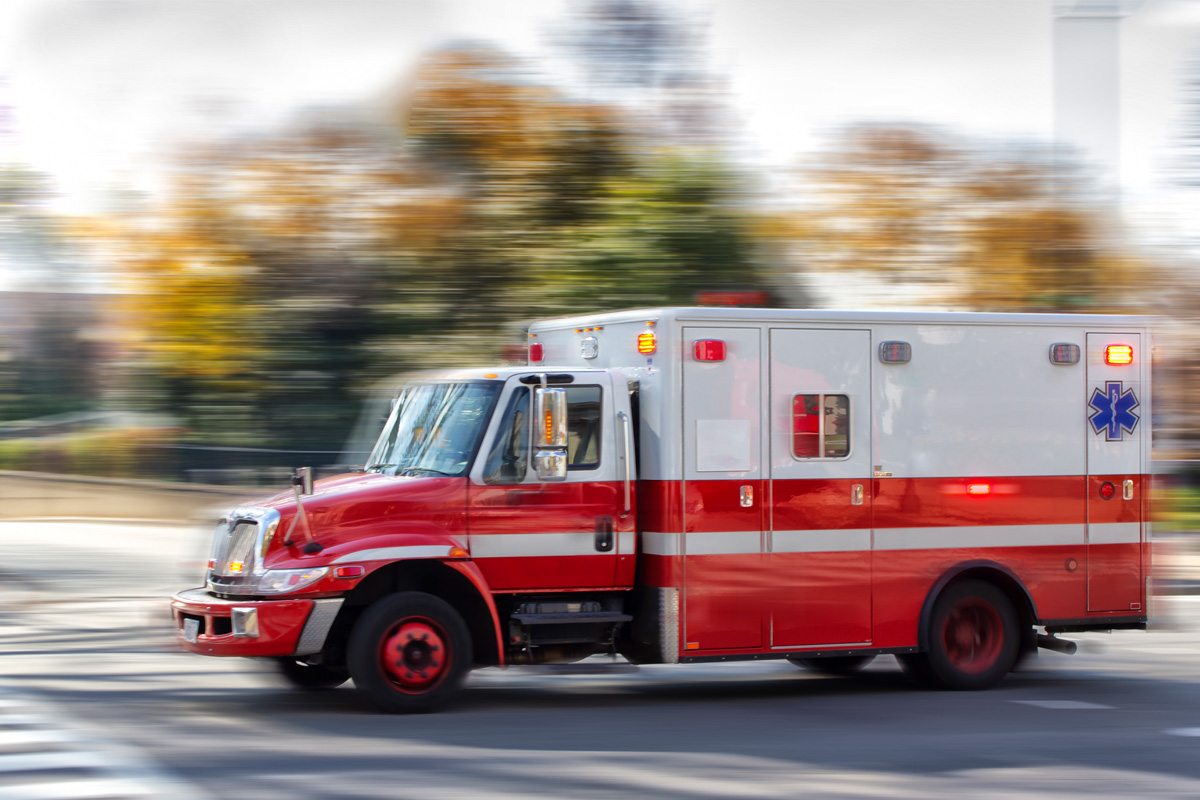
[[238, 546], [235, 555]]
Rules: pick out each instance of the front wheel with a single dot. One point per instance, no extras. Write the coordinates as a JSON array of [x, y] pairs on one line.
[[409, 652], [840, 666], [973, 637]]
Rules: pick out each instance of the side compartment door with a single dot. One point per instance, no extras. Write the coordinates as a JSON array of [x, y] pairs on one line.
[[528, 535], [723, 491], [819, 548], [1117, 422]]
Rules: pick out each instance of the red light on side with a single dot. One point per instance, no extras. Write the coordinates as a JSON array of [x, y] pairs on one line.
[[709, 350], [979, 488], [1118, 355], [353, 571], [537, 352], [1107, 490]]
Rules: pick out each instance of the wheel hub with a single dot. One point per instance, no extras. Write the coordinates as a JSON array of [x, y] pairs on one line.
[[414, 654], [973, 635]]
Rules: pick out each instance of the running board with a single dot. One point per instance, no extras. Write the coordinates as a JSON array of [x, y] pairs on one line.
[[569, 618]]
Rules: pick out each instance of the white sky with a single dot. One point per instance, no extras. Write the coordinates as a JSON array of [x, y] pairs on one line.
[[101, 91]]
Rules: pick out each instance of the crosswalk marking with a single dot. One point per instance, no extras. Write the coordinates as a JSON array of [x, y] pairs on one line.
[[1063, 705], [44, 757]]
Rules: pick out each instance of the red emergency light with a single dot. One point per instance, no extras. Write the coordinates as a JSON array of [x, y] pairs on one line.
[[709, 350], [1118, 355], [536, 352]]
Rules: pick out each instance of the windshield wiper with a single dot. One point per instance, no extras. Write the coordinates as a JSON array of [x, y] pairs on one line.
[[413, 471], [373, 467]]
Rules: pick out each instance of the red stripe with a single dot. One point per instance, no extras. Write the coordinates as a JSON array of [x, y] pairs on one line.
[[894, 503], [1115, 509]]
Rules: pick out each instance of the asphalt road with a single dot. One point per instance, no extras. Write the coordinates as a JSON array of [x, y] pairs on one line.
[[96, 701]]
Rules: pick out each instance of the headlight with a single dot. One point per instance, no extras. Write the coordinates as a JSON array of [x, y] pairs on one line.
[[280, 581]]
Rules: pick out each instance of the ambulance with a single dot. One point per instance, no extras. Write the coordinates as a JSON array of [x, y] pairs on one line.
[[681, 485]]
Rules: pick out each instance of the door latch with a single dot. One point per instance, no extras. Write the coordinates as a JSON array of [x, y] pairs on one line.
[[1127, 489], [604, 534], [856, 494], [747, 496]]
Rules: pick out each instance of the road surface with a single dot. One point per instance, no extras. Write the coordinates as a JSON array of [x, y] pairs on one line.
[[96, 701]]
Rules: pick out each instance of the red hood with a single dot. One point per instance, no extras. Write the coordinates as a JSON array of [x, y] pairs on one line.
[[348, 512]]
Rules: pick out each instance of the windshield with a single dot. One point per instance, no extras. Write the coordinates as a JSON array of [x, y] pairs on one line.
[[433, 429]]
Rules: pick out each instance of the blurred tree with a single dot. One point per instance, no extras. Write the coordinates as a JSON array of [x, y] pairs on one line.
[[46, 361], [289, 273], [990, 230]]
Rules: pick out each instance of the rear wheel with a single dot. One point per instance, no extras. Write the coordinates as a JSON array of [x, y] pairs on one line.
[[833, 665], [973, 637], [311, 676], [409, 652]]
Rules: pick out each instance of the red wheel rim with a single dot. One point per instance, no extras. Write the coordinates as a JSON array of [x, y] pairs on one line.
[[973, 635], [414, 656]]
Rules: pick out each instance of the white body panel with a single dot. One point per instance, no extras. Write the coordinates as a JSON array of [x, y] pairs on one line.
[[979, 397]]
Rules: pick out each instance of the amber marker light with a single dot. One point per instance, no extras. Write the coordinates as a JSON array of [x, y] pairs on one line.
[[236, 567], [646, 343], [1118, 355], [458, 552]]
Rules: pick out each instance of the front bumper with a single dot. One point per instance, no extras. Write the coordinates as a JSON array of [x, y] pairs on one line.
[[212, 626]]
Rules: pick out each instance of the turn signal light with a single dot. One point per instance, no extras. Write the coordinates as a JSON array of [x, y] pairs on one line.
[[351, 571], [1118, 355], [646, 343]]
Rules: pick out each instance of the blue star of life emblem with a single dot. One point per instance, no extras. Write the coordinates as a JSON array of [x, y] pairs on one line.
[[1114, 410]]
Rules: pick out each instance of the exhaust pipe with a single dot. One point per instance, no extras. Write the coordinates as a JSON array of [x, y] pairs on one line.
[[1058, 645]]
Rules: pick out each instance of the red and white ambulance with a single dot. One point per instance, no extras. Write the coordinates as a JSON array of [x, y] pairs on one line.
[[697, 484]]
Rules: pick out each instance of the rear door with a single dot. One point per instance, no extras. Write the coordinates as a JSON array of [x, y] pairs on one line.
[[818, 556], [1117, 424]]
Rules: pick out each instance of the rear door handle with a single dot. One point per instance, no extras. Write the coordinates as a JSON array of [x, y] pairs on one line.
[[604, 534]]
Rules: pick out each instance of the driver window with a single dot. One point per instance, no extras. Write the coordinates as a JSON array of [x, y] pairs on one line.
[[509, 458]]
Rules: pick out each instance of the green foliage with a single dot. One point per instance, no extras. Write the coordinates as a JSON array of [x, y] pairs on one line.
[[117, 453]]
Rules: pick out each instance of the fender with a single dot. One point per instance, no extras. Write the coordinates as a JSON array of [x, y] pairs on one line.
[[470, 570], [951, 574], [378, 551]]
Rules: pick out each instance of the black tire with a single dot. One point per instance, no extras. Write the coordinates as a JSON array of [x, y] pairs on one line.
[[840, 666], [427, 648], [974, 637], [313, 677]]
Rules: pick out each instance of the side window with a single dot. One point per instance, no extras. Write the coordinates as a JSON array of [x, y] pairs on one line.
[[820, 426], [509, 457], [583, 427]]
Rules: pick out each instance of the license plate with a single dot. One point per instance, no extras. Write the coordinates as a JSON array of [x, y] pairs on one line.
[[191, 629]]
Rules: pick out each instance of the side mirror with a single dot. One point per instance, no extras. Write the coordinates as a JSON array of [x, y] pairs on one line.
[[303, 480], [550, 418], [550, 434], [551, 464]]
